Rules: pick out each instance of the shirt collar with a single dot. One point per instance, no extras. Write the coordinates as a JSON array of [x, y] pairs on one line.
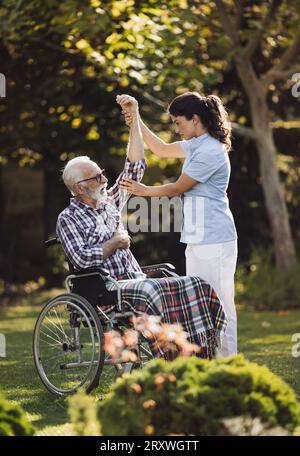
[[201, 137], [85, 207]]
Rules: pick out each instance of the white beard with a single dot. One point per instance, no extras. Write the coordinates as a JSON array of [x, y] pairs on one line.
[[99, 195]]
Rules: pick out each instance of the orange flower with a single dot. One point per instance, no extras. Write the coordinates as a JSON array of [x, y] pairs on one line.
[[128, 356], [113, 344], [149, 404], [130, 338], [172, 378], [168, 337], [136, 388], [147, 324], [149, 429], [159, 380]]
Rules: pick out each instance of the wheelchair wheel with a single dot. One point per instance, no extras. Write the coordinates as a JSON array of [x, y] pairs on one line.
[[68, 345]]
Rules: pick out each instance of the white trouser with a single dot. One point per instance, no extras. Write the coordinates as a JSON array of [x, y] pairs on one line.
[[216, 264]]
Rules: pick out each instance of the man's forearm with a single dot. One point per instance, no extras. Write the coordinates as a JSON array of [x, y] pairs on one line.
[[135, 150], [109, 247]]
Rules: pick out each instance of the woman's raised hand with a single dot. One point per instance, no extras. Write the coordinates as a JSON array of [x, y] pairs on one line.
[[134, 187]]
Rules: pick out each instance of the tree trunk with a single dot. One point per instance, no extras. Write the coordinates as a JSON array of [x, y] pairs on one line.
[[285, 253], [276, 206]]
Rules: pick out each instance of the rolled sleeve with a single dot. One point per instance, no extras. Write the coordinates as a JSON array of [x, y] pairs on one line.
[[79, 252], [132, 170]]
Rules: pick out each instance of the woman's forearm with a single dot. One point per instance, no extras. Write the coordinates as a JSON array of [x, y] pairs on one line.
[[169, 190], [155, 144]]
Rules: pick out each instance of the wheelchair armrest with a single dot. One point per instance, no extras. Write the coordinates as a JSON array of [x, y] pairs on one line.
[[104, 272], [159, 270], [159, 266]]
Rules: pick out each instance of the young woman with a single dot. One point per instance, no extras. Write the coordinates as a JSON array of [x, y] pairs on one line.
[[208, 227]]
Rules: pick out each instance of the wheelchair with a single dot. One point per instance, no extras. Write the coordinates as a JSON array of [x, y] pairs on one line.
[[68, 339]]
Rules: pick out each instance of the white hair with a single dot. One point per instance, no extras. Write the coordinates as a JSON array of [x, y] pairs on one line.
[[72, 172]]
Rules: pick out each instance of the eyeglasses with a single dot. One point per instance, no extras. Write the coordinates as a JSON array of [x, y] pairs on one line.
[[97, 178]]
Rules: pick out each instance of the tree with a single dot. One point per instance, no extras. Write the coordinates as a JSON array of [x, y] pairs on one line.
[[257, 83], [66, 61], [198, 40]]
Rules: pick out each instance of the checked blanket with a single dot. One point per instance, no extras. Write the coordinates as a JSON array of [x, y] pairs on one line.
[[188, 301]]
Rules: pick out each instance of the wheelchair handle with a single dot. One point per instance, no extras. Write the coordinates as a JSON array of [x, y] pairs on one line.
[[51, 241]]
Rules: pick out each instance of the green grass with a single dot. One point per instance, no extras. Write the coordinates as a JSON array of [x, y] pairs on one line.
[[264, 337]]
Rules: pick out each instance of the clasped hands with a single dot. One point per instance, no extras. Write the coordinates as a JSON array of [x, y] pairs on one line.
[[121, 239], [130, 108]]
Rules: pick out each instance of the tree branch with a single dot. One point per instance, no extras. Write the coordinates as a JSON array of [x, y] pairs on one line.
[[248, 132], [280, 70], [252, 44], [240, 130], [285, 124], [149, 97], [209, 23], [285, 73], [228, 25], [55, 47], [195, 8]]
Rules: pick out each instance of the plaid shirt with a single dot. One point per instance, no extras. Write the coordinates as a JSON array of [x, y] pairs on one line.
[[82, 229]]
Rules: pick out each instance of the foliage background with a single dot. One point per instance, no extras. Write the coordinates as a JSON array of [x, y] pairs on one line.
[[65, 62]]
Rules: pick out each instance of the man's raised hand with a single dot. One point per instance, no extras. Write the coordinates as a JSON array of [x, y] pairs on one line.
[[130, 108]]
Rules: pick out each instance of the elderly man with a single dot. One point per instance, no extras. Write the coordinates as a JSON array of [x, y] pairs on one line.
[[90, 230]]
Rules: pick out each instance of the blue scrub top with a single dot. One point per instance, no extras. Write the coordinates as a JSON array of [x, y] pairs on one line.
[[207, 218]]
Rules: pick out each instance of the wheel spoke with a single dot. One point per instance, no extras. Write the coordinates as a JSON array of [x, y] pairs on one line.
[[59, 322], [50, 337], [51, 345], [51, 330]]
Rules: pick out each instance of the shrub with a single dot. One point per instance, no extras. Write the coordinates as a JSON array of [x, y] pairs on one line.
[[194, 396], [13, 420], [83, 414], [261, 286]]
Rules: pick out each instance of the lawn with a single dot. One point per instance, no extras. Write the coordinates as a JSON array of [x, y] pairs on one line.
[[264, 337]]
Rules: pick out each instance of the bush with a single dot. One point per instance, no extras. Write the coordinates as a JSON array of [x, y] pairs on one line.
[[83, 415], [13, 420], [261, 286], [194, 396]]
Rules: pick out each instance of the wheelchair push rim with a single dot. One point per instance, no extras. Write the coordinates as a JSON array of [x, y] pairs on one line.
[[68, 345]]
